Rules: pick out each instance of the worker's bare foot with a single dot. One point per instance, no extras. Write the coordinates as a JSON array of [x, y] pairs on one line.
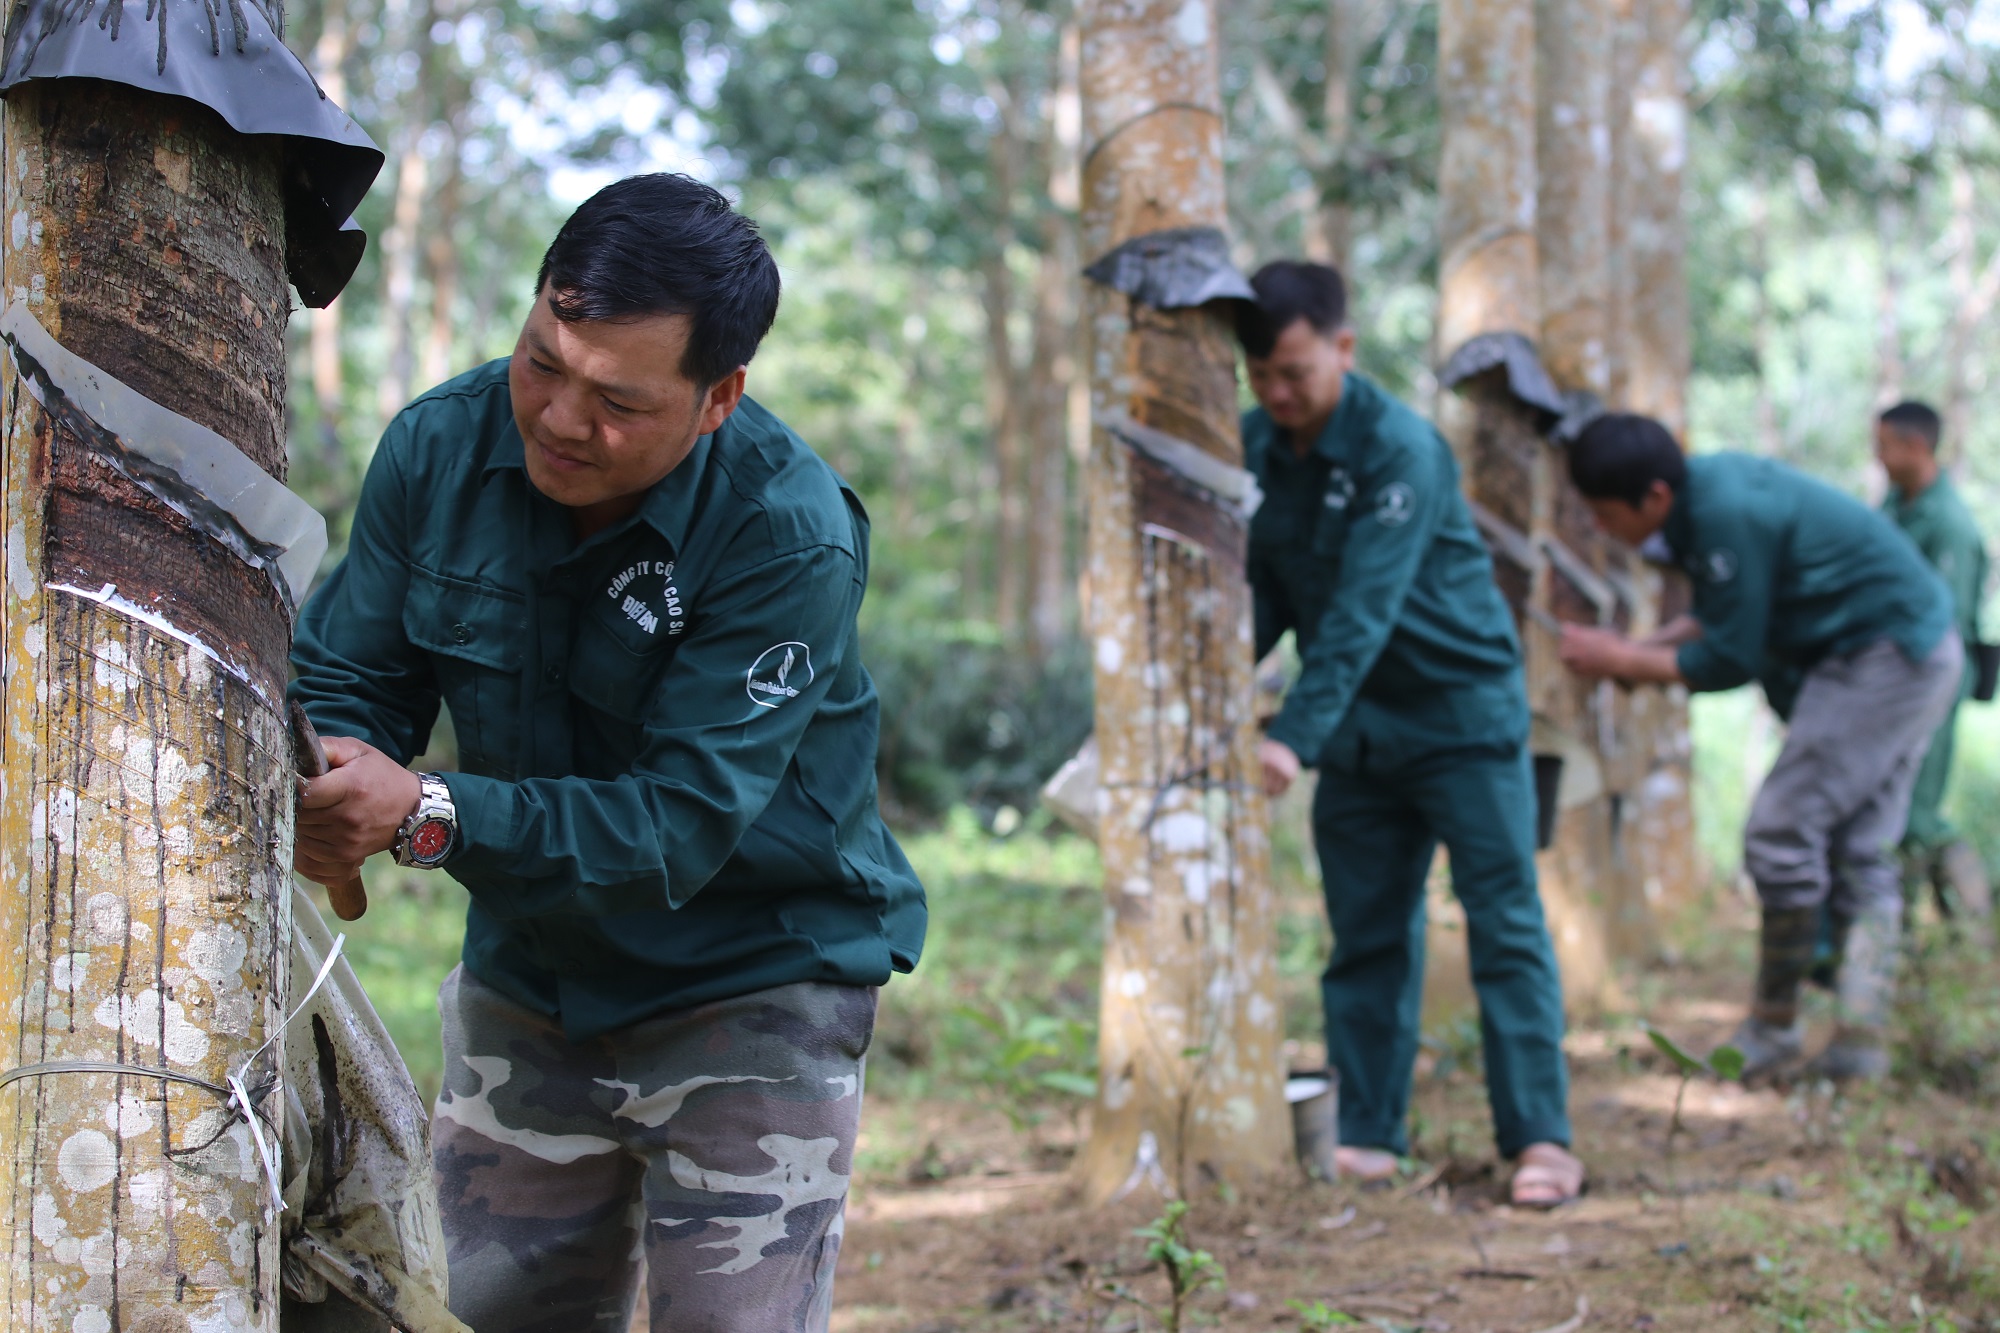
[[1369, 1166], [1549, 1176]]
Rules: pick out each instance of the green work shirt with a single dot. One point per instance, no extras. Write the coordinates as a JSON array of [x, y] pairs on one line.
[[1943, 529], [1787, 571], [666, 785], [1365, 549]]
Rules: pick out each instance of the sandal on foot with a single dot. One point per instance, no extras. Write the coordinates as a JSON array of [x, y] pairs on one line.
[[1549, 1177], [1366, 1166]]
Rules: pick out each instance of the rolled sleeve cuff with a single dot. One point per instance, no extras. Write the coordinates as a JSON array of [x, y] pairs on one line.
[[1704, 669]]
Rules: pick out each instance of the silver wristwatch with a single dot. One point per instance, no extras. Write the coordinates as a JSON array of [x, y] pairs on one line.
[[430, 834]]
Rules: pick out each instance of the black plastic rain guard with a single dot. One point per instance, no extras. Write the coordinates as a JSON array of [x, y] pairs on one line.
[[228, 56]]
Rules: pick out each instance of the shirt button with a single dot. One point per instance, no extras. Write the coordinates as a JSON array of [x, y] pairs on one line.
[[461, 633], [552, 674]]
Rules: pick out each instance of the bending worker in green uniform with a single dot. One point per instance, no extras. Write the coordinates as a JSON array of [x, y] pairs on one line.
[[1809, 591], [1412, 706], [1925, 504]]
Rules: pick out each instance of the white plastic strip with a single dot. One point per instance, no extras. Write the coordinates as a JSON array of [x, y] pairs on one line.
[[267, 1151], [108, 597], [205, 463], [1220, 479]]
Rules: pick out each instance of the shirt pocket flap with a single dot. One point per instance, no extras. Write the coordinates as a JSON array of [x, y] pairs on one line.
[[607, 673], [464, 620]]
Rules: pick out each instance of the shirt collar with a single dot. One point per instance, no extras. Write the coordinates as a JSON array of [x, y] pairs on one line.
[[669, 505], [1939, 488], [1332, 441]]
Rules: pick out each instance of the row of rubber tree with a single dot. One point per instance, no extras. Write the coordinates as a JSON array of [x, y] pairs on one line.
[[1562, 290]]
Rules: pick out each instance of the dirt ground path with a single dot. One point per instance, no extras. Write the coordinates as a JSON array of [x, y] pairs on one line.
[[1793, 1209]]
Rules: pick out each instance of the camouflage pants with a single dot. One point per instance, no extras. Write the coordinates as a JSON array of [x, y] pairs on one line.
[[716, 1140]]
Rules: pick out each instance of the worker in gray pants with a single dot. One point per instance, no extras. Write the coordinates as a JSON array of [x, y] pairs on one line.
[[1819, 598]]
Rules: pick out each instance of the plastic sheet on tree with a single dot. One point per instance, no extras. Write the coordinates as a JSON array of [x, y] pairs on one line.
[[363, 1242], [1175, 269], [183, 464], [1580, 408], [228, 56], [1185, 495], [1527, 380]]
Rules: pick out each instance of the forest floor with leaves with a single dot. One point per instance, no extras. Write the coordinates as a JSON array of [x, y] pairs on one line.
[[1794, 1208]]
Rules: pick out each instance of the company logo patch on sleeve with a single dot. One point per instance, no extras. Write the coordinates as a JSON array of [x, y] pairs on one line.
[[779, 673], [1395, 505]]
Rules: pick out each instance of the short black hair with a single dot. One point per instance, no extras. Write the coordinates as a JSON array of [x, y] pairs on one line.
[[1289, 291], [1621, 454], [1914, 418], [665, 244]]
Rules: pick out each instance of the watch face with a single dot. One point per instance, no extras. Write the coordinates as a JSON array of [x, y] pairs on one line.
[[429, 841]]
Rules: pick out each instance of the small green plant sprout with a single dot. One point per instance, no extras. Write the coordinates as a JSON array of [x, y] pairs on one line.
[[1319, 1316], [1025, 1058], [1188, 1269], [1726, 1063]]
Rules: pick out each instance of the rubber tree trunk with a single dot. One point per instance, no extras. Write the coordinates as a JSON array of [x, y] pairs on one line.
[[147, 804], [1592, 849], [1055, 365], [1190, 1085], [1491, 283], [1346, 40], [1652, 341]]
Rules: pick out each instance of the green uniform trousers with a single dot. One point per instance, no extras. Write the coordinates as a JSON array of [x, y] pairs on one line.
[[1928, 830], [1376, 833]]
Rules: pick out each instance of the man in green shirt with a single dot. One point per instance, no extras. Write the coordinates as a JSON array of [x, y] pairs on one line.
[[635, 590], [1412, 707], [1925, 504], [1819, 598]]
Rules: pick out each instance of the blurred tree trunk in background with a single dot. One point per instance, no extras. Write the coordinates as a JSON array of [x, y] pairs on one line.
[[1595, 581], [1056, 359], [399, 269], [1573, 58], [330, 54], [401, 241], [147, 804], [1348, 25], [1006, 412], [1490, 283], [1770, 437], [441, 242], [1190, 1081], [1488, 280], [1888, 305], [1651, 329], [1975, 288], [1651, 358]]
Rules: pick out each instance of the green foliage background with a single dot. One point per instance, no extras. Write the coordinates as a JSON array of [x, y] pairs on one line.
[[905, 158]]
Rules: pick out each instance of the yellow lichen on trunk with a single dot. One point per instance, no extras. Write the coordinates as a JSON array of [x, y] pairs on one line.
[[1191, 1085], [146, 812]]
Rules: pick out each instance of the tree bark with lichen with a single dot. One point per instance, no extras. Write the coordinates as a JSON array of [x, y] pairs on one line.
[[1651, 357], [1190, 1084], [1491, 282], [147, 803]]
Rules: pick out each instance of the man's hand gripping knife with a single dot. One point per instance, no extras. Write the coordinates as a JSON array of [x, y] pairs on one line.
[[347, 894]]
